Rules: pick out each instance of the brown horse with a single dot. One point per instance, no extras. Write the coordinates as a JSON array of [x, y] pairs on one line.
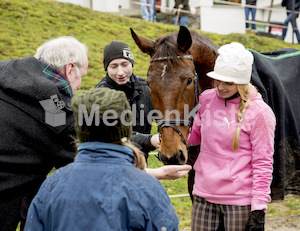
[[178, 67]]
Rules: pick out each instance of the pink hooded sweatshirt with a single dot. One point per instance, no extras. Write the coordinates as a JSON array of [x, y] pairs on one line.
[[224, 176]]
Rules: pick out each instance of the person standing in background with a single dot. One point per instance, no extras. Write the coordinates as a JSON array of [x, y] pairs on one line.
[[291, 17], [181, 18], [253, 13], [148, 11]]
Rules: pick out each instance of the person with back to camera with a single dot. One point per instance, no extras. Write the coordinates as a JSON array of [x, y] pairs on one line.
[[291, 17], [29, 146], [118, 62], [235, 128], [102, 189]]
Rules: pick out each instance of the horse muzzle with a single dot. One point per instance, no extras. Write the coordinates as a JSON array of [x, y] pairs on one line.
[[179, 158]]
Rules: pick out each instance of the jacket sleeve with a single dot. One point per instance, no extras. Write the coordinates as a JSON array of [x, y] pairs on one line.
[[146, 204], [142, 141], [262, 142], [64, 151], [34, 220], [164, 214], [297, 5], [157, 209]]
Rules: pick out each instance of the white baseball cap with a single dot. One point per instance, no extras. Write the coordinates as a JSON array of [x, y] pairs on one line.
[[234, 64]]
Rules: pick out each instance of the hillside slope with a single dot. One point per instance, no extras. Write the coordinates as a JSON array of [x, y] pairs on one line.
[[27, 24]]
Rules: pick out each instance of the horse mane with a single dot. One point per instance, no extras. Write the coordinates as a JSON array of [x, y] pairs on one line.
[[201, 39], [166, 46]]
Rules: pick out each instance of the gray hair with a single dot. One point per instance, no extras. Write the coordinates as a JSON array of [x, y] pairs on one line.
[[61, 51]]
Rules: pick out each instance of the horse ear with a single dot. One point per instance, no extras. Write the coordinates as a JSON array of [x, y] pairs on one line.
[[184, 39], [145, 45]]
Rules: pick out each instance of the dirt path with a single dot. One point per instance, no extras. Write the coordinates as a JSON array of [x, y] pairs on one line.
[[286, 223]]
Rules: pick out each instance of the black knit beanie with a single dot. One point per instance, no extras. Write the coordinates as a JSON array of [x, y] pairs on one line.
[[108, 125], [116, 50]]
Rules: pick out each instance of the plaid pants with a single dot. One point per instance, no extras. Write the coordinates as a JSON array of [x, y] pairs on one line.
[[208, 216]]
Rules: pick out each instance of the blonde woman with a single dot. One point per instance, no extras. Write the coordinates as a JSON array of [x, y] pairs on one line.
[[235, 128]]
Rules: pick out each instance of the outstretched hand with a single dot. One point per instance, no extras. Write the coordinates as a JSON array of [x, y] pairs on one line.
[[169, 172]]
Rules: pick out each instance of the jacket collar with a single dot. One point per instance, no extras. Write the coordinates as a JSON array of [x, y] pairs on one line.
[[112, 83], [102, 152], [58, 78], [133, 86], [233, 99], [137, 86]]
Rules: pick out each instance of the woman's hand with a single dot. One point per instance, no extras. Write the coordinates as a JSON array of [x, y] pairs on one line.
[[169, 172]]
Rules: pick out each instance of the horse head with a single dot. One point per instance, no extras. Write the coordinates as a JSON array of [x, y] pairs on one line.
[[173, 80]]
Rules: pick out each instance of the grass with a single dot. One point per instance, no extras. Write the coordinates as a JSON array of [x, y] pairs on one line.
[[25, 25], [289, 206]]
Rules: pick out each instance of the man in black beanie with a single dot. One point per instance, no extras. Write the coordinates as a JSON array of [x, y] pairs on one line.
[[118, 62]]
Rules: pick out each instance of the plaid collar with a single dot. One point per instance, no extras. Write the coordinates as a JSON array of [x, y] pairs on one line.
[[58, 78]]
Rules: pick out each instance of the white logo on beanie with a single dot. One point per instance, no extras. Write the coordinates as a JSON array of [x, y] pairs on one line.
[[127, 53]]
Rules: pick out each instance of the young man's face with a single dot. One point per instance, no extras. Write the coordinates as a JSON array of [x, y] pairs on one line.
[[120, 70]]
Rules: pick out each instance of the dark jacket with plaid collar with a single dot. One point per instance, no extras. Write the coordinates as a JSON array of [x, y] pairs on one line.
[[138, 93], [29, 147]]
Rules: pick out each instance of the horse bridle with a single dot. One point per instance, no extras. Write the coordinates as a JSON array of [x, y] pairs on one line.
[[172, 122]]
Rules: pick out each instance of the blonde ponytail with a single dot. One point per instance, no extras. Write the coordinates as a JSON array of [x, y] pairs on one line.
[[140, 161], [244, 91]]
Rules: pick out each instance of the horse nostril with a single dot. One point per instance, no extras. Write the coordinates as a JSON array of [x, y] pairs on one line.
[[162, 158], [181, 157]]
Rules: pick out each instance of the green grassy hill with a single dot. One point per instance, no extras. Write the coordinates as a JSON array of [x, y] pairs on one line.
[[27, 24]]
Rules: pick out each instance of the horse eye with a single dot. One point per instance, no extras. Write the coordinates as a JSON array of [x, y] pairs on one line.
[[189, 81]]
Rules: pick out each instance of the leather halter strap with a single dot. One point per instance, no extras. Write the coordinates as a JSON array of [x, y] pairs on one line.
[[171, 123], [171, 57]]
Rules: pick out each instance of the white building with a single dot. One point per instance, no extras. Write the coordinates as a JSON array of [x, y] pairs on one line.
[[222, 18]]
